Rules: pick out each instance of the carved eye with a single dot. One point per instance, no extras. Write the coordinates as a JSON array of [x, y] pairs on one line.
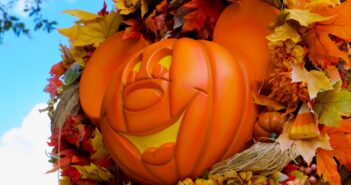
[[135, 70], [163, 66]]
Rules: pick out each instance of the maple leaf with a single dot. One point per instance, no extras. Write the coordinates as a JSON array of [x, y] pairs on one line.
[[89, 30], [103, 10], [203, 11], [316, 81], [303, 17], [332, 105], [156, 20], [305, 147], [322, 49], [327, 167], [93, 172]]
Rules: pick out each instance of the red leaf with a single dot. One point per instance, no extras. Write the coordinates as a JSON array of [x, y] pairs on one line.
[[204, 11], [327, 168], [71, 172], [103, 11], [52, 87], [57, 70], [132, 32]]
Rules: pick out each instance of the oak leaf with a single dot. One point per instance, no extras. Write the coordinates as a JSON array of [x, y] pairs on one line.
[[332, 105], [316, 81], [324, 50]]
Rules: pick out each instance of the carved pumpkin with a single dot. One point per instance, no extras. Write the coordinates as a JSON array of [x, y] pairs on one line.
[[242, 29], [100, 68], [176, 108], [269, 123]]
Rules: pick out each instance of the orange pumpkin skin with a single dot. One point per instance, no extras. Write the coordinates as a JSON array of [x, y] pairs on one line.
[[204, 87], [100, 68], [242, 29], [268, 123]]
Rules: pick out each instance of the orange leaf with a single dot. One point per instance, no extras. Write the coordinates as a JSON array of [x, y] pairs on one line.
[[204, 10], [131, 32], [322, 49], [327, 168]]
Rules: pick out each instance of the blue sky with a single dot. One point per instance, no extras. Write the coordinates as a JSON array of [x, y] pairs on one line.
[[25, 62], [24, 67]]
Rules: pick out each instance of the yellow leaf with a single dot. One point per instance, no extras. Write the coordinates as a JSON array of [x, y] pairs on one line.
[[93, 172], [70, 32], [95, 32], [144, 7], [126, 7], [82, 15], [98, 145], [64, 180], [316, 81], [283, 33], [303, 17]]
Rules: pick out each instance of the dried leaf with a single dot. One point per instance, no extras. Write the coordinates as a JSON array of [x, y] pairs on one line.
[[316, 81], [283, 33], [327, 168], [203, 10], [126, 7], [332, 105], [272, 105], [305, 147]]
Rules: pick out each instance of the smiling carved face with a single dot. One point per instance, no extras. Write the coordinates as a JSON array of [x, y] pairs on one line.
[[176, 108]]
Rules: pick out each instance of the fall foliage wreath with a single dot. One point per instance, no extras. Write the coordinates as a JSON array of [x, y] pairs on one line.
[[301, 125]]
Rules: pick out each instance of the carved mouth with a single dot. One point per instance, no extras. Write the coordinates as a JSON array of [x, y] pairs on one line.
[[157, 148]]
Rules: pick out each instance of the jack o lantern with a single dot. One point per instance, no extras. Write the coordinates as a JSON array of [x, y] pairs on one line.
[[100, 68], [242, 29], [176, 108]]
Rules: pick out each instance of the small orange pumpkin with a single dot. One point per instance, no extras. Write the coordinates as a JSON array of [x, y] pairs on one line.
[[100, 69], [176, 108], [242, 29], [269, 123]]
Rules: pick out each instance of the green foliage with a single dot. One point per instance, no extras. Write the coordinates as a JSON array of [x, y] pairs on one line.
[[12, 22]]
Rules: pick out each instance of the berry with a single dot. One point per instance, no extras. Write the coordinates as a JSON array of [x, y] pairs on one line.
[[312, 179], [308, 170], [314, 167]]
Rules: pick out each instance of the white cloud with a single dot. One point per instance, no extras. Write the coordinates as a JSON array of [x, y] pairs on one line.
[[21, 6], [23, 158]]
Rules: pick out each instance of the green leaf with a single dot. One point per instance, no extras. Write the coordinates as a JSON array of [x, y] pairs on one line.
[[332, 105], [72, 74]]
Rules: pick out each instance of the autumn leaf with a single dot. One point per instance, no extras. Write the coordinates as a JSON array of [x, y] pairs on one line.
[[305, 147], [82, 15], [332, 105], [52, 88], [327, 167], [316, 81], [272, 105], [203, 11], [303, 17], [131, 32], [283, 33], [57, 69], [323, 50], [126, 7], [92, 31], [98, 145], [93, 172]]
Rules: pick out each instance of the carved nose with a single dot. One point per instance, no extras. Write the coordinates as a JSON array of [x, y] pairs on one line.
[[142, 99]]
